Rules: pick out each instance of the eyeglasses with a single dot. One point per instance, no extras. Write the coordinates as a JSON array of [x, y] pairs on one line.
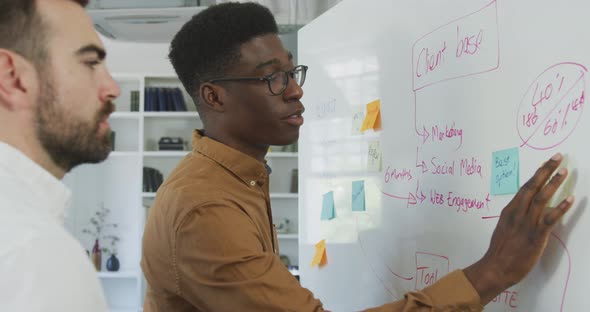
[[277, 81]]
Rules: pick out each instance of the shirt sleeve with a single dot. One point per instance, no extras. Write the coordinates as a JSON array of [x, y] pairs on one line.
[[221, 266], [451, 293], [49, 273]]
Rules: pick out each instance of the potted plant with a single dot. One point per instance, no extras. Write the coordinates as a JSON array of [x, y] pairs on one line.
[[112, 261], [97, 228]]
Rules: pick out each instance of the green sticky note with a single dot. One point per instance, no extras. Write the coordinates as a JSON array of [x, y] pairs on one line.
[[374, 157], [505, 172], [358, 116], [358, 195], [328, 206]]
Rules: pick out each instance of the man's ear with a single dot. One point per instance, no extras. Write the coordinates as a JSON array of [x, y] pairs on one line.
[[16, 75], [213, 97]]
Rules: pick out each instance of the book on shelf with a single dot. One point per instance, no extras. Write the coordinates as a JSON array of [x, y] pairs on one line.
[[152, 179], [113, 136], [294, 180], [291, 148], [168, 96], [178, 100], [162, 103], [164, 100], [134, 104], [149, 100]]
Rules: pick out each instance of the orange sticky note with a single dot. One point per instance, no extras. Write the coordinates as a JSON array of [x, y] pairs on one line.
[[320, 258], [373, 117]]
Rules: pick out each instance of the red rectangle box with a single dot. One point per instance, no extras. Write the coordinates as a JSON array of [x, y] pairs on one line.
[[430, 268], [466, 46]]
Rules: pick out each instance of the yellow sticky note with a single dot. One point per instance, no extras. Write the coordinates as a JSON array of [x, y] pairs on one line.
[[324, 260], [320, 258], [567, 186], [374, 157], [373, 117]]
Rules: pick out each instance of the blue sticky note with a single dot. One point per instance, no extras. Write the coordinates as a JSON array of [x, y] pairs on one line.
[[358, 195], [328, 206], [505, 171]]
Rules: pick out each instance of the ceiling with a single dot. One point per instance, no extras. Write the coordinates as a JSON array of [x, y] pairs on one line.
[[159, 20]]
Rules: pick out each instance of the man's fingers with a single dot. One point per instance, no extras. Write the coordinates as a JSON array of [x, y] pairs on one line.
[[536, 182], [553, 215], [541, 199]]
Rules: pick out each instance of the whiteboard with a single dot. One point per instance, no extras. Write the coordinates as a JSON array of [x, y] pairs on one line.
[[457, 81]]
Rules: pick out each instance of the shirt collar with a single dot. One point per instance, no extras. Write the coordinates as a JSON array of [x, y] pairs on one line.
[[244, 166], [27, 181]]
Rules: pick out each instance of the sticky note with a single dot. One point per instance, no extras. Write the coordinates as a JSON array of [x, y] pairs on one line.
[[374, 157], [328, 206], [358, 195], [358, 116], [505, 171], [373, 117], [320, 258]]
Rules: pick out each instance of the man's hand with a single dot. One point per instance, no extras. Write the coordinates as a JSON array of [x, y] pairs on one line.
[[521, 234]]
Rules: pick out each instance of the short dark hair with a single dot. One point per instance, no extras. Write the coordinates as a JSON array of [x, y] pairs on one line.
[[209, 44], [22, 30]]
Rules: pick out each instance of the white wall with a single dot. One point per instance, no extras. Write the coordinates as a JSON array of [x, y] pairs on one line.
[[137, 58], [152, 58]]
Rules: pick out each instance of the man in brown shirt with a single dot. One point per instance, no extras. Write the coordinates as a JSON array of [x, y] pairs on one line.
[[209, 243]]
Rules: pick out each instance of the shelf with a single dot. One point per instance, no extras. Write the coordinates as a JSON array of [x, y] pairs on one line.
[[148, 195], [123, 154], [126, 309], [124, 115], [127, 77], [184, 153], [284, 195], [171, 114], [156, 76], [288, 236], [121, 274], [272, 195], [166, 153], [282, 155], [294, 271]]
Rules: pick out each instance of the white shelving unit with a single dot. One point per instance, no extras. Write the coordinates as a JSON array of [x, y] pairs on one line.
[[117, 183], [165, 154], [288, 236], [119, 274], [170, 114], [281, 155]]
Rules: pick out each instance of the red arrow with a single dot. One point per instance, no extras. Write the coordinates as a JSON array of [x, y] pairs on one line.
[[423, 164], [421, 197], [424, 167], [411, 198], [425, 135], [394, 196]]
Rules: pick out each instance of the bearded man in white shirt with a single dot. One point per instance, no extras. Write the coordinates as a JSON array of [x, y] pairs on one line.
[[55, 97]]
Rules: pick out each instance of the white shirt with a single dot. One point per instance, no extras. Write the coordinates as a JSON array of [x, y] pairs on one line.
[[42, 267]]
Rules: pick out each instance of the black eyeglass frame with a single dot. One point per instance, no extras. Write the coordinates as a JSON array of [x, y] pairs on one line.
[[268, 78]]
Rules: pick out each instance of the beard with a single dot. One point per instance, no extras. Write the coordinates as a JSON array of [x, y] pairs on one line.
[[70, 141]]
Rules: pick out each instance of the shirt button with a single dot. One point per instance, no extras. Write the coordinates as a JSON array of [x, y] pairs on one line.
[[252, 183]]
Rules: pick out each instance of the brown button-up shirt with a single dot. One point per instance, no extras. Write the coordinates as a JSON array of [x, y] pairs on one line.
[[209, 244]]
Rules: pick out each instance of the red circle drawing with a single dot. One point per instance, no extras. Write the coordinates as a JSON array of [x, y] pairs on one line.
[[552, 106]]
